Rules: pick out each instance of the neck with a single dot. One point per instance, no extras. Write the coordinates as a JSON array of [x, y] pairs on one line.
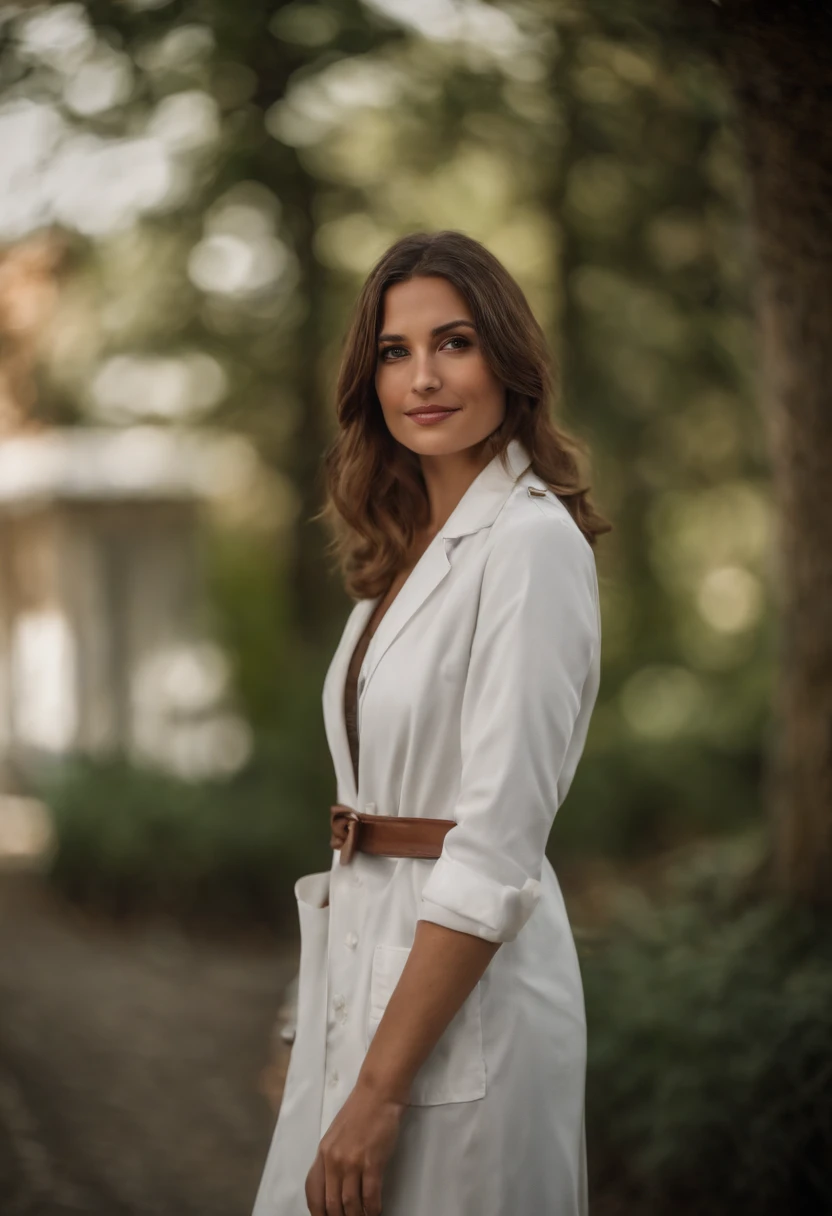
[[447, 478]]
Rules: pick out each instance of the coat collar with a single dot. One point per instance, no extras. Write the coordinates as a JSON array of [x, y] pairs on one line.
[[482, 501], [478, 508]]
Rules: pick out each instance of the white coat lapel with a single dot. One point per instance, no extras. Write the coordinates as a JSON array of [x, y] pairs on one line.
[[334, 721], [478, 508], [425, 576]]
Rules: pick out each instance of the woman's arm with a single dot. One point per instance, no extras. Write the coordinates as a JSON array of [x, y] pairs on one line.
[[441, 970]]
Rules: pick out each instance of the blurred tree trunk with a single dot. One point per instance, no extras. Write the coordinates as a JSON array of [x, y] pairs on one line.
[[778, 59], [317, 603]]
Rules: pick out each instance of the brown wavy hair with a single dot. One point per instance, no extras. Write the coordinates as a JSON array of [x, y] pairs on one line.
[[376, 498]]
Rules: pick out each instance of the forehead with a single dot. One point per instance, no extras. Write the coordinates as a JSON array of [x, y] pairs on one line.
[[421, 303]]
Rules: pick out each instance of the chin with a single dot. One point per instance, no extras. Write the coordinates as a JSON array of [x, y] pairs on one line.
[[439, 440], [434, 445]]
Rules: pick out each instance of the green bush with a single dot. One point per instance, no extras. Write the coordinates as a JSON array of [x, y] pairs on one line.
[[630, 801], [132, 841], [709, 1078]]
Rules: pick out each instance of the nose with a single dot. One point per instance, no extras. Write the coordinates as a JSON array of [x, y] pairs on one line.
[[426, 377]]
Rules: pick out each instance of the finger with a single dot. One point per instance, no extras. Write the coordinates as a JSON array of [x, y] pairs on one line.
[[371, 1193], [334, 1186], [315, 1188], [351, 1194]]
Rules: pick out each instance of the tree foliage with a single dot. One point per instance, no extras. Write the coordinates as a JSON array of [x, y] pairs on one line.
[[595, 149]]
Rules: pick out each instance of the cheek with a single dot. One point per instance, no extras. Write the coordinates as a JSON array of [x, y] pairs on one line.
[[388, 384], [483, 386]]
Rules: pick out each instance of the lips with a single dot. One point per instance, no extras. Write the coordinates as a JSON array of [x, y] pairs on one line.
[[430, 411]]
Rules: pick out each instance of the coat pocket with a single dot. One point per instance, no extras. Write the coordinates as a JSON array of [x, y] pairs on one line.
[[455, 1069], [305, 1071], [311, 892], [298, 1126]]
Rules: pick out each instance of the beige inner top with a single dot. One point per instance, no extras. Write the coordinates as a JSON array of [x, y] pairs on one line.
[[351, 697]]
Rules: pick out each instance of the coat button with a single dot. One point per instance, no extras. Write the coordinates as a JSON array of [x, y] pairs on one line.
[[351, 940], [333, 1079]]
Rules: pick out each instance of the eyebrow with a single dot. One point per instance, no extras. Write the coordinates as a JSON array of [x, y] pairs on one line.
[[434, 333]]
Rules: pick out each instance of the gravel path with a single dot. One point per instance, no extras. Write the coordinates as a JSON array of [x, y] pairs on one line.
[[132, 1063]]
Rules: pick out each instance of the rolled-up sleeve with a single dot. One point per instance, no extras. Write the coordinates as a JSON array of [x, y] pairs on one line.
[[536, 636]]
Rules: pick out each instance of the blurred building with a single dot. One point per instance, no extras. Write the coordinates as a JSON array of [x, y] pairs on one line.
[[102, 634]]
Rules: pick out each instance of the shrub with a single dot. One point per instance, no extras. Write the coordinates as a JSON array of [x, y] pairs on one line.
[[132, 840], [709, 1078]]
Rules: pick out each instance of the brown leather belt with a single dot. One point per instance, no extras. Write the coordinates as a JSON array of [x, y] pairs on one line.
[[386, 835]]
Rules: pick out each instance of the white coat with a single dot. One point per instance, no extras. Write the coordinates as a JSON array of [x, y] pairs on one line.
[[474, 701]]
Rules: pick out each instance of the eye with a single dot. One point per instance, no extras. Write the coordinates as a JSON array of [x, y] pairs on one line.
[[386, 350], [458, 338]]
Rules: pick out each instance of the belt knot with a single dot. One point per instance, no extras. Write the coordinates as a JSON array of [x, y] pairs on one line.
[[346, 825]]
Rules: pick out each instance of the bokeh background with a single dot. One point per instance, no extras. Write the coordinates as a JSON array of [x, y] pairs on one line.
[[191, 193]]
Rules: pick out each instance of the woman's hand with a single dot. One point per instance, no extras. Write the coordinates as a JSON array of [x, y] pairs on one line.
[[346, 1175]]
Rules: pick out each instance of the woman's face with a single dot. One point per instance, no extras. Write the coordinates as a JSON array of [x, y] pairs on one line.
[[429, 356]]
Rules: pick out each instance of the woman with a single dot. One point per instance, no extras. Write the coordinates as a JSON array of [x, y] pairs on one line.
[[438, 1068]]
